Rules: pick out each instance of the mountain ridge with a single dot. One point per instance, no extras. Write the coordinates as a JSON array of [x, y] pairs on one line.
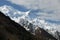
[[10, 27], [21, 18], [10, 30]]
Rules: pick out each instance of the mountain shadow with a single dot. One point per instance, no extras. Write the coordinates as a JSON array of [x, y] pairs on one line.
[[10, 30], [43, 35]]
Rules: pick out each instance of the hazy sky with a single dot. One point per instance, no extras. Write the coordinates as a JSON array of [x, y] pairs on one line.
[[45, 9], [50, 8]]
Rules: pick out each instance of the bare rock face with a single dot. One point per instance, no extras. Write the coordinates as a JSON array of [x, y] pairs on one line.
[[10, 30]]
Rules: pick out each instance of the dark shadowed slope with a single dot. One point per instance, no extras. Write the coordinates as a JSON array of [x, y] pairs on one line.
[[43, 35], [10, 30]]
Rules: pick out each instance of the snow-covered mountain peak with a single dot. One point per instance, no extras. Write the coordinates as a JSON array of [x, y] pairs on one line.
[[23, 19], [13, 13], [16, 15], [4, 9]]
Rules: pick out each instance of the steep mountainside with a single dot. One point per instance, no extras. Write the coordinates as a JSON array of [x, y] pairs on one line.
[[40, 33], [10, 30], [27, 17]]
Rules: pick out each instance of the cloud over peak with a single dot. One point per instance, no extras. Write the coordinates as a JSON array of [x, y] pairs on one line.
[[38, 4], [50, 7]]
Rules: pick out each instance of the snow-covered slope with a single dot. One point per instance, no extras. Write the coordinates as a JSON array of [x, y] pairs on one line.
[[23, 19], [13, 13]]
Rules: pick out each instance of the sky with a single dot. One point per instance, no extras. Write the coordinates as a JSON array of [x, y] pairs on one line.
[[46, 9], [50, 8], [19, 7]]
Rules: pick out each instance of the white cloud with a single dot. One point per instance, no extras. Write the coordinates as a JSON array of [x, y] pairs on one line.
[[45, 5], [53, 16], [38, 4], [27, 3]]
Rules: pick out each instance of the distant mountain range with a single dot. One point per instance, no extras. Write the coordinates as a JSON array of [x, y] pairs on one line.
[[10, 30], [30, 24]]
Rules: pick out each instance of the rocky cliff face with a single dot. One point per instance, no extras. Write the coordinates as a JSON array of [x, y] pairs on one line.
[[10, 30]]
